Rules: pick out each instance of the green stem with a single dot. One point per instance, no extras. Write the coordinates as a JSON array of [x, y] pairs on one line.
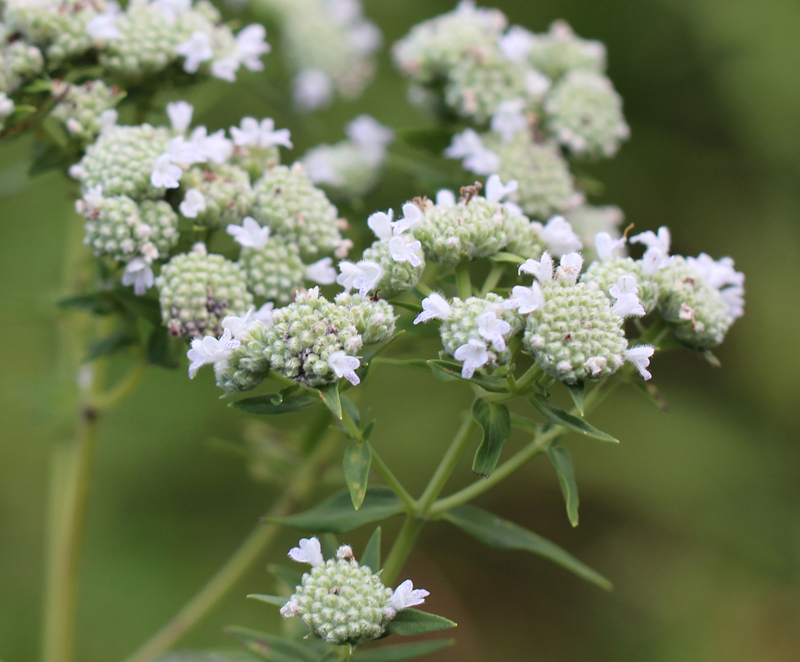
[[242, 560], [463, 281], [402, 548], [123, 390], [495, 274], [392, 481]]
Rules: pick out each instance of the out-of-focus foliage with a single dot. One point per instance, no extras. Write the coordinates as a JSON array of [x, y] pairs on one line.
[[694, 516]]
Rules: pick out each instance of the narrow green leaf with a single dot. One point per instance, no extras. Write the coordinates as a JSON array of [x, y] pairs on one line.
[[523, 423], [38, 85], [336, 514], [410, 622], [330, 396], [269, 599], [289, 576], [351, 409], [329, 544], [357, 461], [578, 393], [413, 307], [402, 651], [558, 416], [433, 139], [118, 340], [495, 422], [562, 462], [498, 533], [270, 647], [709, 356], [486, 382], [372, 552], [286, 401], [507, 257], [331, 656], [99, 303]]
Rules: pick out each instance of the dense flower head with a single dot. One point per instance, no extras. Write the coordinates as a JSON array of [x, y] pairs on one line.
[[216, 195], [85, 110], [401, 260], [560, 51]]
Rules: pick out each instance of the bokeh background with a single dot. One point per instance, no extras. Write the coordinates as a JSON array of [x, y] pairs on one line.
[[695, 516]]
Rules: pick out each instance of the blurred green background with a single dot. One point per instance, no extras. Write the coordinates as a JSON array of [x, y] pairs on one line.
[[695, 517]]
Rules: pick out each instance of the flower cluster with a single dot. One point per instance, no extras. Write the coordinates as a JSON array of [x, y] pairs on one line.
[[343, 602], [329, 46]]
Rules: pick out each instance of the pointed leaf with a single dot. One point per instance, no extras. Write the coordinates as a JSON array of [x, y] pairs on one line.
[[145, 307], [357, 461], [276, 600], [402, 651], [486, 382], [562, 462], [329, 545], [270, 647], [495, 422], [578, 393], [118, 340], [336, 514], [330, 396], [709, 356], [372, 552], [507, 257], [410, 622], [99, 303], [496, 532], [351, 410], [558, 416], [284, 402]]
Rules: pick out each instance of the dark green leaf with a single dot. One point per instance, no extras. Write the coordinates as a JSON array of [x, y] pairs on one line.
[[486, 382], [269, 599], [289, 576], [336, 514], [562, 462], [351, 410], [495, 422], [286, 401], [164, 350], [20, 112], [402, 652], [271, 648], [578, 393], [711, 358], [410, 622], [144, 307], [99, 303], [118, 340], [56, 132], [47, 158], [502, 534], [357, 461], [558, 416], [330, 396], [372, 552], [38, 85], [507, 257]]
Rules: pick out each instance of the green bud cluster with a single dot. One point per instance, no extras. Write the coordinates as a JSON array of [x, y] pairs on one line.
[[274, 272], [80, 108], [197, 290], [526, 238], [606, 274], [397, 276], [374, 319], [560, 51], [18, 62], [227, 192], [291, 206], [348, 172], [256, 161]]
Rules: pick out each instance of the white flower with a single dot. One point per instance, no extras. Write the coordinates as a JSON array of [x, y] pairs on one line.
[[717, 274], [309, 551], [184, 152], [445, 198], [103, 26], [291, 608], [625, 285], [413, 217], [166, 174], [536, 84], [345, 366], [406, 596], [509, 119], [345, 552], [197, 49], [343, 12], [365, 37], [525, 299], [208, 351], [238, 326], [108, 119], [322, 271], [252, 133], [559, 237], [469, 146], [172, 8], [381, 224], [516, 44], [349, 273], [474, 355], [596, 364], [405, 252], [225, 68], [180, 115], [320, 166], [249, 234], [496, 191], [139, 274], [627, 302], [606, 247], [653, 261], [313, 89], [515, 210], [251, 45], [569, 268], [492, 328], [369, 134], [216, 147], [369, 277], [650, 239], [93, 197], [434, 306], [193, 203], [542, 270], [264, 314], [640, 357]]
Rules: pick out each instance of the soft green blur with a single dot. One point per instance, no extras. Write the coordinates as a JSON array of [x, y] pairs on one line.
[[694, 517]]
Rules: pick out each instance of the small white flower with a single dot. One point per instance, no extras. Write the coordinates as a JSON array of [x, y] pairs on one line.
[[108, 119], [172, 8], [180, 115], [606, 247], [345, 552], [369, 277], [365, 37], [249, 234], [183, 152], [627, 302], [445, 198], [381, 224], [406, 596], [166, 174], [343, 12], [514, 209], [496, 191], [139, 274], [405, 252], [640, 357], [209, 350], [569, 268], [413, 217], [225, 68], [322, 271], [537, 84], [260, 134], [349, 273], [313, 89], [542, 270], [525, 299], [215, 147], [369, 134], [103, 26], [238, 326], [469, 147], [93, 197], [251, 45], [291, 608], [474, 355], [516, 44], [264, 314], [717, 273], [309, 551], [653, 261], [193, 203], [492, 328], [434, 306], [596, 364], [625, 285], [650, 239], [345, 366], [559, 237], [509, 119], [197, 49]]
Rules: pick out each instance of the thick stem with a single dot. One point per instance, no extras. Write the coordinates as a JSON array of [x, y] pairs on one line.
[[243, 559], [402, 548], [463, 281], [495, 274], [392, 481]]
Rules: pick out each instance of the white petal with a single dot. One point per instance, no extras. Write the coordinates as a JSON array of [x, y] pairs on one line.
[[309, 551]]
